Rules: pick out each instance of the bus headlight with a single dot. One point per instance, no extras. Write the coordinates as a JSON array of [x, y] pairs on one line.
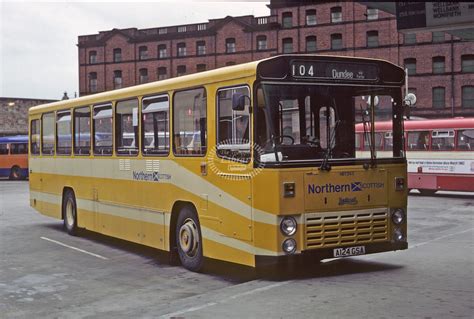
[[398, 235], [398, 216], [289, 246], [288, 226]]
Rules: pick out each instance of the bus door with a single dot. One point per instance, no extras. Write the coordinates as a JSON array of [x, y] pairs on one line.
[[232, 162]]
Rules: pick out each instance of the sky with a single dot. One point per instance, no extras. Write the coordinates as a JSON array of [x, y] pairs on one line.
[[38, 40]]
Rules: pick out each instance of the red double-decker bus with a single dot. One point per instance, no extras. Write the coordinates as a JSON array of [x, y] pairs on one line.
[[14, 156], [440, 153]]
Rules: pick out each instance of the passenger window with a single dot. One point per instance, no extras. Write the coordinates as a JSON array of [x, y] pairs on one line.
[[189, 122], [19, 148], [233, 127], [35, 137], [418, 141], [47, 136], [388, 141], [126, 127], [442, 140], [155, 132], [379, 138], [63, 133], [103, 130], [466, 140], [82, 131], [3, 149]]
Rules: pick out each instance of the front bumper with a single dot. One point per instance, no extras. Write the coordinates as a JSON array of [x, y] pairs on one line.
[[316, 255]]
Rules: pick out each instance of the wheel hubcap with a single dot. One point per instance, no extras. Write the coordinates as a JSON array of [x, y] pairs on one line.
[[69, 214], [189, 238]]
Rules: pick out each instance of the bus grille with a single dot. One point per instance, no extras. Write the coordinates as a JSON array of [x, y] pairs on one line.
[[346, 228]]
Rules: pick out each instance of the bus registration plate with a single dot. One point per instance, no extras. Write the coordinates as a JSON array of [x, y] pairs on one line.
[[349, 251]]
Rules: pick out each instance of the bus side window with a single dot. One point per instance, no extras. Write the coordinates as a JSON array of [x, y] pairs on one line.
[[126, 127], [4, 149], [233, 127], [155, 125], [418, 140], [19, 148], [82, 131], [189, 122], [443, 140], [103, 141], [47, 134], [63, 133], [466, 140], [35, 137]]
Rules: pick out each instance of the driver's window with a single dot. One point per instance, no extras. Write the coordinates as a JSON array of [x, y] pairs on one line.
[[233, 127], [327, 126], [290, 121]]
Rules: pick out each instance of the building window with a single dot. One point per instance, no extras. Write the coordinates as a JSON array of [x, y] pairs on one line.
[[93, 82], [142, 53], [261, 42], [438, 65], [163, 31], [410, 65], [336, 14], [189, 122], [162, 73], [410, 38], [181, 49], [117, 79], [92, 57], [287, 45], [182, 28], [162, 52], [126, 127], [117, 55], [201, 48], [311, 44], [230, 45], [439, 97], [372, 14], [181, 70], [467, 63], [143, 75], [287, 18], [372, 39], [468, 96], [200, 67], [311, 17], [437, 36], [336, 41]]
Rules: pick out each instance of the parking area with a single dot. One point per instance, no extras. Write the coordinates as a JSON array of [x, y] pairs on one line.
[[44, 273]]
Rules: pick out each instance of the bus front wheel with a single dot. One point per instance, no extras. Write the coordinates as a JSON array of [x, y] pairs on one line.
[[189, 239], [70, 213], [15, 173]]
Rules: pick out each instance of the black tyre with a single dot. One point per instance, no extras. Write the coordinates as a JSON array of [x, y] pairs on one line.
[[69, 211], [189, 239], [15, 173], [427, 192]]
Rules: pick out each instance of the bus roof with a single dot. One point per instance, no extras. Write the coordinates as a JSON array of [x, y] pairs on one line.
[[14, 139], [192, 80], [454, 123]]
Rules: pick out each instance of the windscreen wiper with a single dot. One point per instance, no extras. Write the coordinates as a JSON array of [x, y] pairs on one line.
[[325, 166]]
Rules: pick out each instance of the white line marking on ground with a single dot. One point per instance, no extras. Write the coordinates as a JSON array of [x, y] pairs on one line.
[[74, 248], [210, 304], [441, 237]]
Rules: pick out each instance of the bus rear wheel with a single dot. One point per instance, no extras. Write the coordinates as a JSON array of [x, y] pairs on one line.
[[189, 239], [69, 211], [15, 173]]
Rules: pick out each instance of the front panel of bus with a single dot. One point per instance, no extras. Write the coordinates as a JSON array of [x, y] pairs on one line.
[[329, 200]]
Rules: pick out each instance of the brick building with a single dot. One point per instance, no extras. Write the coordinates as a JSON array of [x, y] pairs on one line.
[[440, 66], [14, 114]]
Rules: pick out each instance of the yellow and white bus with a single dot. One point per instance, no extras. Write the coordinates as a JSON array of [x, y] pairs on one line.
[[254, 164]]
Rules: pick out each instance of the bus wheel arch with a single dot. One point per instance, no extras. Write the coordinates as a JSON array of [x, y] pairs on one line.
[[185, 236], [15, 173], [69, 211]]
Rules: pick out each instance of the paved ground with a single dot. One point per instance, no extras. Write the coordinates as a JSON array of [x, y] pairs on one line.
[[42, 278]]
